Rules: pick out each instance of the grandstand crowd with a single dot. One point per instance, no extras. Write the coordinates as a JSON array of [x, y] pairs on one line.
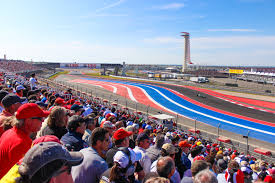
[[16, 66], [58, 137]]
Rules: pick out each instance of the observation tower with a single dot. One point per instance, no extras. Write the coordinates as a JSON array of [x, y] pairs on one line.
[[187, 60]]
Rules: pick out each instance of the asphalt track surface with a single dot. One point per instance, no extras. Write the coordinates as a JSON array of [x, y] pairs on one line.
[[156, 91]]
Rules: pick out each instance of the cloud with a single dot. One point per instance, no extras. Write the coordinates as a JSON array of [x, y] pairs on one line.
[[97, 12], [232, 30], [172, 6], [110, 6]]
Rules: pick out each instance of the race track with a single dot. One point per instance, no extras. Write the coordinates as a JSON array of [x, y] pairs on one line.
[[185, 102]]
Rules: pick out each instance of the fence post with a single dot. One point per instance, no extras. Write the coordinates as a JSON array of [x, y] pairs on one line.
[[136, 107], [148, 111], [196, 126], [177, 120], [219, 129]]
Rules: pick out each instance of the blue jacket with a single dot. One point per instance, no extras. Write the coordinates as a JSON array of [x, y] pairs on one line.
[[73, 141], [185, 160]]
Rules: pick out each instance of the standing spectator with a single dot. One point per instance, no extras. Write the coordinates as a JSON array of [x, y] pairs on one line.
[[33, 82], [196, 167], [143, 143], [93, 165], [56, 123], [121, 139], [73, 138], [11, 104], [15, 142]]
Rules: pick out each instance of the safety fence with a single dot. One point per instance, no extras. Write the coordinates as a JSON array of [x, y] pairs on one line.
[[211, 133]]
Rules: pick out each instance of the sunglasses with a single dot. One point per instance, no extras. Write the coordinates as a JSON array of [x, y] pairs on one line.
[[37, 118]]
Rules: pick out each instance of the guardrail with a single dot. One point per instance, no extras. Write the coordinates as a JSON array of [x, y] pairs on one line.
[[211, 133]]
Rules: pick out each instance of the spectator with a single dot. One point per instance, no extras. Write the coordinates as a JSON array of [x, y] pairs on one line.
[[73, 138], [166, 167], [121, 139], [11, 103], [221, 167], [153, 152], [19, 90], [124, 166], [143, 143], [233, 173], [93, 165], [56, 123], [196, 167], [15, 142], [45, 160], [185, 147], [158, 180], [77, 109], [3, 93], [205, 176], [90, 126], [33, 82]]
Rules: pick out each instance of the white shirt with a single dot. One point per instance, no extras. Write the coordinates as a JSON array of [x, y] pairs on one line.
[[145, 161], [32, 82]]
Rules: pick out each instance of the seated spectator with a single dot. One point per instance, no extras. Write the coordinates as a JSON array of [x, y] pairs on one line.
[[77, 109], [143, 143], [124, 166], [205, 176], [15, 142], [56, 123], [196, 167], [166, 167], [90, 126], [93, 165], [121, 139], [153, 152], [73, 138], [19, 90], [3, 93], [11, 103], [158, 180]]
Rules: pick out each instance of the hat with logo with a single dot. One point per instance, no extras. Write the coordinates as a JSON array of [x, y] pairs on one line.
[[20, 87], [170, 148], [30, 110], [46, 152], [121, 134], [123, 159], [11, 99], [108, 124]]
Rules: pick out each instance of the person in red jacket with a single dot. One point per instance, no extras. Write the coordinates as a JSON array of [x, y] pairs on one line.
[[15, 142]]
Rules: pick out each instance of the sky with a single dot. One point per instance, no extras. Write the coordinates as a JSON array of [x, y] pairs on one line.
[[222, 32]]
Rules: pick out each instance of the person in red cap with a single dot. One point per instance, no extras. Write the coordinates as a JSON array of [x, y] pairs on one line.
[[15, 142], [185, 147], [121, 139]]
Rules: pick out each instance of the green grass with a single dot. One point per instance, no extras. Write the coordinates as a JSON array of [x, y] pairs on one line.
[[58, 74]]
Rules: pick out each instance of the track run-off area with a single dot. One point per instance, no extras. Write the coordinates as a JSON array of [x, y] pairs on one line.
[[170, 100]]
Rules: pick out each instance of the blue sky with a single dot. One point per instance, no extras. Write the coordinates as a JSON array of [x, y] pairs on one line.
[[223, 32]]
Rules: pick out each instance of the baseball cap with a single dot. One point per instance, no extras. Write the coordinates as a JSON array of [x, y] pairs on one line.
[[191, 138], [123, 159], [11, 99], [59, 101], [45, 152], [76, 107], [136, 126], [129, 123], [170, 148], [3, 93], [142, 136], [148, 127], [184, 144], [30, 110], [121, 134], [41, 104], [20, 87], [108, 124]]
